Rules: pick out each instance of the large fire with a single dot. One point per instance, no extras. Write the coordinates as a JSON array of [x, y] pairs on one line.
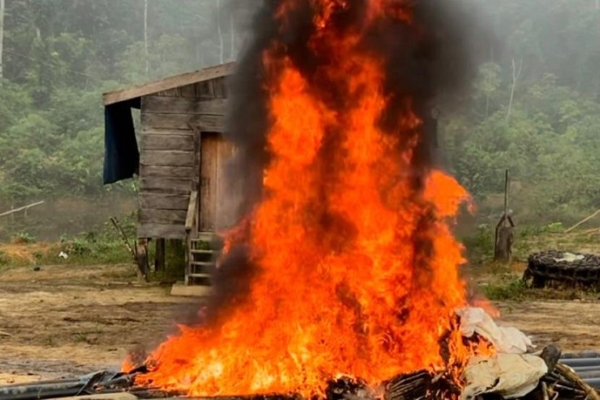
[[356, 266]]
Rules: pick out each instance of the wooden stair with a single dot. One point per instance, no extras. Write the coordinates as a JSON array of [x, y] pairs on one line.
[[201, 259]]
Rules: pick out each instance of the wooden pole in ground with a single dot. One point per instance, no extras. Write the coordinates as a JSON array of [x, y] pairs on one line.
[[505, 193], [159, 255], [504, 233], [142, 257]]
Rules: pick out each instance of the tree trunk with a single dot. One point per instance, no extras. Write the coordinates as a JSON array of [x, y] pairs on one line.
[[505, 238], [2, 4], [233, 46], [515, 77], [220, 33], [146, 37]]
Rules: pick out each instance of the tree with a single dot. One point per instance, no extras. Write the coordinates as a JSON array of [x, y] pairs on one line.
[[539, 117], [2, 10], [146, 55]]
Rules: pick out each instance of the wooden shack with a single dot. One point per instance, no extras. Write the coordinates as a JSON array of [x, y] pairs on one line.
[[178, 154]]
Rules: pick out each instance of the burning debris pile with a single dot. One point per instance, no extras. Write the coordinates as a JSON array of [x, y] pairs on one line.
[[511, 372], [344, 263], [342, 279]]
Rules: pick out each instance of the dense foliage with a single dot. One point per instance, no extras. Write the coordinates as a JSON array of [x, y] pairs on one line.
[[59, 56], [535, 108]]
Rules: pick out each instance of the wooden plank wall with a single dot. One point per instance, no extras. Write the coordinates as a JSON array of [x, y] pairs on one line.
[[167, 155]]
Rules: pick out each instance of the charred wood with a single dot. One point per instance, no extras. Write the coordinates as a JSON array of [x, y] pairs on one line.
[[347, 388], [561, 383], [421, 385], [551, 354]]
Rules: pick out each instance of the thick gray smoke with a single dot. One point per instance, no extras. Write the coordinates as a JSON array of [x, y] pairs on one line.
[[433, 64]]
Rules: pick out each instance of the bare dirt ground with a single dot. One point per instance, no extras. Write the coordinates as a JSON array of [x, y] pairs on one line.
[[75, 320], [67, 320], [570, 323]]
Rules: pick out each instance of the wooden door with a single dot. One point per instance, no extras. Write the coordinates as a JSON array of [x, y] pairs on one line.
[[227, 195], [216, 206]]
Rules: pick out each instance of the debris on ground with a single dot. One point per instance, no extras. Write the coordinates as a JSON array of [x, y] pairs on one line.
[[512, 372], [554, 268]]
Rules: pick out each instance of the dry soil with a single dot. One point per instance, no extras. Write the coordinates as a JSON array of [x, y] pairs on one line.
[[65, 320]]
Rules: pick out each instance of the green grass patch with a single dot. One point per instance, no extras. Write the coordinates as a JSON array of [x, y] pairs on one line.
[[511, 290], [84, 252], [479, 245], [102, 245]]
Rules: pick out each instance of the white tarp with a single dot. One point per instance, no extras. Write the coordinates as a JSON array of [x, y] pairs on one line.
[[505, 339], [570, 257], [509, 375]]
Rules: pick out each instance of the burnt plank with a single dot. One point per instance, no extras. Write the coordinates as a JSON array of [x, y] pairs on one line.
[[180, 105], [165, 171], [161, 201], [165, 185], [167, 231], [177, 140], [167, 157], [212, 123], [167, 217]]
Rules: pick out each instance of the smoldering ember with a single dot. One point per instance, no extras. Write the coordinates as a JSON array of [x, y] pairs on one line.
[[342, 278]]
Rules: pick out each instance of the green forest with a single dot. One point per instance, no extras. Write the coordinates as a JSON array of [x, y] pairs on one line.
[[534, 108]]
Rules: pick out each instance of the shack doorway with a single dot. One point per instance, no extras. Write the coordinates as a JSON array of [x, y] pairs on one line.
[[216, 198]]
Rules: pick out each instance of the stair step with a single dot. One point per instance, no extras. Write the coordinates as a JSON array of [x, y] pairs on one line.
[[203, 263], [199, 251], [204, 237], [198, 275]]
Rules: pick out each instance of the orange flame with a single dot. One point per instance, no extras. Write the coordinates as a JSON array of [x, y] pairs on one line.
[[344, 283], [128, 364]]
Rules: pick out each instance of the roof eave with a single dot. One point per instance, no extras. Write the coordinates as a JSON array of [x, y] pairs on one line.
[[188, 78]]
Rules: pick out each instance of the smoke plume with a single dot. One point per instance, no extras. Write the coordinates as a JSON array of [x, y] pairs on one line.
[[430, 60]]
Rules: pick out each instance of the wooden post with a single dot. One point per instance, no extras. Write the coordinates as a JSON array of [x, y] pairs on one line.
[[505, 192], [504, 233], [192, 220], [159, 256], [188, 258], [142, 257], [197, 176], [177, 255]]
